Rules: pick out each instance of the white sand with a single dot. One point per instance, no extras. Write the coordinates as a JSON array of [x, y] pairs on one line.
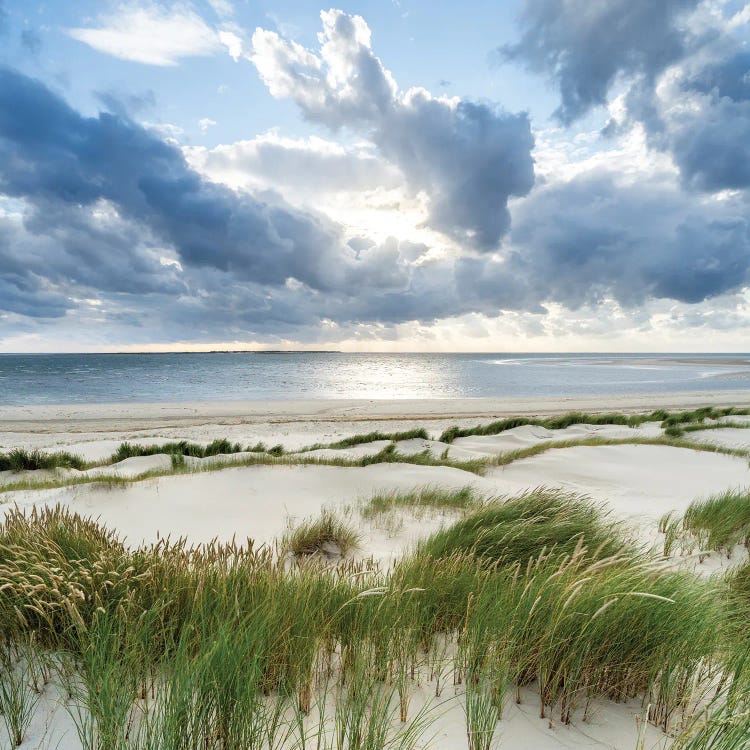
[[636, 482], [728, 437], [300, 423]]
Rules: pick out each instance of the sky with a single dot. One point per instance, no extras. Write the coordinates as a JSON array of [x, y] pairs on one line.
[[383, 175]]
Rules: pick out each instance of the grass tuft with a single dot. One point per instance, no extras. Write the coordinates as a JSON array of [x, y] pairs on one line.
[[180, 448], [371, 437], [721, 521], [428, 497], [668, 420], [550, 523], [23, 460], [327, 535]]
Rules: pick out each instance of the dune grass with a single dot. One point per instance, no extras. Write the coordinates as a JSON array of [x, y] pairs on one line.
[[542, 522], [185, 448], [327, 535], [371, 437], [724, 723], [389, 454], [719, 522], [223, 646], [579, 627], [675, 425], [23, 460], [434, 498], [667, 419]]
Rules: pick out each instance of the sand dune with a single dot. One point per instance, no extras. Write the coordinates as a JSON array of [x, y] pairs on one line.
[[636, 482]]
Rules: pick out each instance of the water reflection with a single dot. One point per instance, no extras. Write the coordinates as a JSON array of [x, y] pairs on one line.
[[101, 378]]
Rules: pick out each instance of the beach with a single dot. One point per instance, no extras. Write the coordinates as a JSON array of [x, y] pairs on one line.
[[248, 496]]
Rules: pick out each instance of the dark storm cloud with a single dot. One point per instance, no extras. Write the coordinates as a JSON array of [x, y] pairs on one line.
[[22, 289], [41, 274], [711, 140], [583, 45], [591, 238], [469, 158], [712, 148], [728, 78], [52, 156], [703, 121], [25, 294]]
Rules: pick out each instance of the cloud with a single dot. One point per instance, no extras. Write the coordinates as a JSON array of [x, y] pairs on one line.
[[589, 239], [104, 209], [222, 8], [232, 42], [700, 115], [91, 182], [708, 134], [469, 158], [685, 67], [312, 166], [151, 34], [583, 46], [23, 291], [205, 123]]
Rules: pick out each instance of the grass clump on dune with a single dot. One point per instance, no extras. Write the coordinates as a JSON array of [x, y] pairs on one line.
[[516, 530], [428, 497], [721, 521], [327, 535], [23, 460], [724, 723], [672, 422], [182, 448], [371, 437], [552, 423], [578, 629]]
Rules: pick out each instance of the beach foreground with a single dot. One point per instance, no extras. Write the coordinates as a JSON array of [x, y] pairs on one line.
[[428, 464]]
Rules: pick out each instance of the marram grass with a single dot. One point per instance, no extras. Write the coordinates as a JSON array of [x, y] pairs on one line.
[[390, 454], [433, 498], [224, 646], [542, 522], [667, 419], [23, 460], [327, 535]]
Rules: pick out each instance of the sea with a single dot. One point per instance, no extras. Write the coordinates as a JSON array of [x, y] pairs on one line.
[[36, 379]]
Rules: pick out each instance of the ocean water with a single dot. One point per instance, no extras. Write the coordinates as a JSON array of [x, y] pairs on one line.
[[109, 378]]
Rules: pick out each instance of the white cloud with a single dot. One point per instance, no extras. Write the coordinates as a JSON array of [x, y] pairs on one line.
[[469, 158], [232, 42], [351, 184], [152, 34], [222, 8], [205, 123], [305, 165]]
